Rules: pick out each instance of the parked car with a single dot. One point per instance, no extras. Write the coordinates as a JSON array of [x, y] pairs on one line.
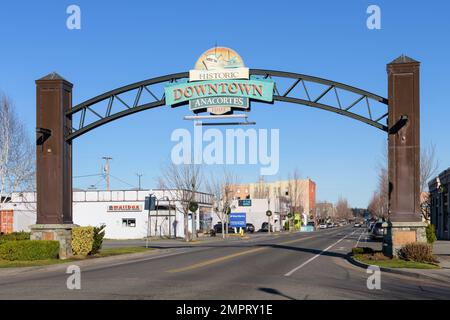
[[322, 226], [265, 227], [311, 224], [357, 225], [250, 228], [218, 228], [377, 232], [330, 225]]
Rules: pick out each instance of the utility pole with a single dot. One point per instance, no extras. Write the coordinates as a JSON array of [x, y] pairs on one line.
[[139, 178], [107, 172]]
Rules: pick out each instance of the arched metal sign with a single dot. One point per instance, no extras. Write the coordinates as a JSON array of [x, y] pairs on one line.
[[116, 107], [58, 123]]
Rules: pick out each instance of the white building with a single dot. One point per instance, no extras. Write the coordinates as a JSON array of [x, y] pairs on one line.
[[255, 213], [123, 212]]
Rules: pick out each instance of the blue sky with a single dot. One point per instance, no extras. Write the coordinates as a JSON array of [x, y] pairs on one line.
[[128, 41]]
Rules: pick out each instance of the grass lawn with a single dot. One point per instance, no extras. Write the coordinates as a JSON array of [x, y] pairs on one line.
[[116, 251], [103, 253], [393, 263], [33, 263]]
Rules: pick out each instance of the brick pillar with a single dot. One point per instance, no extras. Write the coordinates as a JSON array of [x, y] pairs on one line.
[[53, 162], [405, 222]]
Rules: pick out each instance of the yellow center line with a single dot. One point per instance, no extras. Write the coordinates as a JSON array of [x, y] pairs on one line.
[[228, 257], [296, 240]]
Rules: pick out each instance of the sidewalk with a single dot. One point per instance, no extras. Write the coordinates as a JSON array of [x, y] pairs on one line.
[[442, 274], [442, 248]]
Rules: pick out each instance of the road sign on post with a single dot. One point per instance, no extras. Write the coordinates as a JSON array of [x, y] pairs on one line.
[[238, 220], [150, 203]]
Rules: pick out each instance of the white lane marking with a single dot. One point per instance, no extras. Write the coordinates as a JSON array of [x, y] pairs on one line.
[[317, 255], [363, 232]]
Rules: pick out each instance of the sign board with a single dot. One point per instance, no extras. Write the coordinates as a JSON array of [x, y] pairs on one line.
[[219, 84], [238, 220], [307, 229], [150, 203], [245, 203], [230, 73], [124, 208], [258, 89]]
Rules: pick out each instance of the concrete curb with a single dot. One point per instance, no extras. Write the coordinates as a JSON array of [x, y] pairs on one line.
[[396, 271]]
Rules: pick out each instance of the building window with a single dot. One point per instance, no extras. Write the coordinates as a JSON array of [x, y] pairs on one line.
[[129, 223], [446, 213]]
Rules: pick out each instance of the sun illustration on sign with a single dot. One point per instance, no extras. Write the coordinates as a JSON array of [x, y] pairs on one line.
[[219, 84], [219, 58]]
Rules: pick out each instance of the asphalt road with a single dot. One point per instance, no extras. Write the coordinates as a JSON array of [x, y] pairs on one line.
[[288, 266]]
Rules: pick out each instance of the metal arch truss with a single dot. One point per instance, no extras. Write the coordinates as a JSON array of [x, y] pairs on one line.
[[149, 94]]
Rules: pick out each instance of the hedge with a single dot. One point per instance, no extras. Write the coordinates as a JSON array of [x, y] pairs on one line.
[[16, 236], [82, 240], [27, 250], [99, 234], [431, 233]]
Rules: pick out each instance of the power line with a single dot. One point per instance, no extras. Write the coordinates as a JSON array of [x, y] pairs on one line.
[[123, 181], [95, 185]]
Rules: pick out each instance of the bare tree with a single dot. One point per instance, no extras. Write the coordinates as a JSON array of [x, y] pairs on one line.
[[343, 210], [295, 195], [428, 166], [379, 204], [282, 204], [221, 187], [17, 165], [183, 181], [383, 193], [425, 206], [261, 189], [374, 204]]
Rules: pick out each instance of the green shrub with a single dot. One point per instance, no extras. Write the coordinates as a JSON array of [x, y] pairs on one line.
[[99, 234], [26, 250], [377, 256], [15, 236], [82, 240], [418, 252], [431, 233], [364, 250]]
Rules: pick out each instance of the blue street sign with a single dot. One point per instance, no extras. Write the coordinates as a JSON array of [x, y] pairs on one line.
[[238, 220]]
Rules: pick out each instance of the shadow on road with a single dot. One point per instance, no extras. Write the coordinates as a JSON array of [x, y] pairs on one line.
[[307, 250], [276, 292]]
